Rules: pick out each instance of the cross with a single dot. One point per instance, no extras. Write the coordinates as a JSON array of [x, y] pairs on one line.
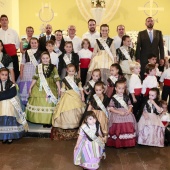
[[151, 8]]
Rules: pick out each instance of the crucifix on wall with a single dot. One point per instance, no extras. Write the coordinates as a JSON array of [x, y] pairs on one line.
[[151, 8]]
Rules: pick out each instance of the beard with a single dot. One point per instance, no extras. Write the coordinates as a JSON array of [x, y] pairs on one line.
[[150, 26], [92, 29]]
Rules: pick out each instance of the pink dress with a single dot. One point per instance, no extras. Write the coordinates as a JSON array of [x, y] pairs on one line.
[[151, 130]]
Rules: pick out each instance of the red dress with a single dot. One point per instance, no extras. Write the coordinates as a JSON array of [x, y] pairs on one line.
[[122, 129]]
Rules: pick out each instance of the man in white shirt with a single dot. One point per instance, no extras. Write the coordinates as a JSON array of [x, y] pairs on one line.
[[11, 42], [92, 34], [47, 37], [118, 39], [75, 39]]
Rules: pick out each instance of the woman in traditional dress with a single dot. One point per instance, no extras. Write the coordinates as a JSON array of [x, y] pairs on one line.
[[24, 45], [12, 119], [59, 42], [122, 123], [90, 145], [104, 54], [44, 92], [30, 60], [70, 108], [150, 127]]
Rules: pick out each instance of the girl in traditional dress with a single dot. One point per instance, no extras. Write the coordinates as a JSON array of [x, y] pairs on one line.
[[125, 55], [104, 54], [30, 60], [6, 61], [85, 57], [12, 119], [150, 128], [43, 92], [98, 104], [70, 108], [90, 145], [68, 57], [165, 118], [25, 42], [122, 123], [115, 75], [89, 87]]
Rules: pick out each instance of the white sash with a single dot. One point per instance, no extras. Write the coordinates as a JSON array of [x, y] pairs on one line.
[[100, 104], [66, 59], [72, 84], [1, 65], [92, 83], [21, 115], [106, 47], [92, 135], [113, 79], [125, 52], [45, 85], [121, 101], [32, 58]]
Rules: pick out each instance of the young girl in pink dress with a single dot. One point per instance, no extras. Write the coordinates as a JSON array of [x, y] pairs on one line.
[[122, 123], [150, 128], [89, 148]]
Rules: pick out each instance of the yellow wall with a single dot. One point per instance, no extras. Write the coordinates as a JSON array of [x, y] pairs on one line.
[[11, 9], [68, 13]]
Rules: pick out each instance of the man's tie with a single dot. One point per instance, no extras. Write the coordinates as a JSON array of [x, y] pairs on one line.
[[150, 36], [48, 37]]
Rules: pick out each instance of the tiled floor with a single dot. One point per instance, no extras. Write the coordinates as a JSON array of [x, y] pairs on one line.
[[44, 154]]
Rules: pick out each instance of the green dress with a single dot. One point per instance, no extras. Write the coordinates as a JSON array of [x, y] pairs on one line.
[[39, 108]]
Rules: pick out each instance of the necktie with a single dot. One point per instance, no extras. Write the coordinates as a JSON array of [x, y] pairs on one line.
[[48, 37], [150, 36]]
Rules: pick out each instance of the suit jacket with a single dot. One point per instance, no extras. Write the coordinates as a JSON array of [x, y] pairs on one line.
[[74, 61], [42, 42], [145, 47]]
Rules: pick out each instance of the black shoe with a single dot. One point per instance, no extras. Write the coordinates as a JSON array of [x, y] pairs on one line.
[[4, 141], [46, 126], [10, 141]]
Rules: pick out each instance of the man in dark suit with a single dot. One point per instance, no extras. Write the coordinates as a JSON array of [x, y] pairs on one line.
[[149, 41], [47, 37]]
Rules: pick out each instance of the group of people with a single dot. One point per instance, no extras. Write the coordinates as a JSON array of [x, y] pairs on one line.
[[98, 89]]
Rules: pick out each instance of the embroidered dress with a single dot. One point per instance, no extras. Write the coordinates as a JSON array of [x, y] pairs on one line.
[[28, 72], [122, 129], [39, 108], [101, 59], [151, 130], [68, 112], [9, 127], [101, 116], [89, 152]]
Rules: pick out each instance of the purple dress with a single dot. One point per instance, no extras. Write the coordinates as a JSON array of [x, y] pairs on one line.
[[89, 153], [28, 72]]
